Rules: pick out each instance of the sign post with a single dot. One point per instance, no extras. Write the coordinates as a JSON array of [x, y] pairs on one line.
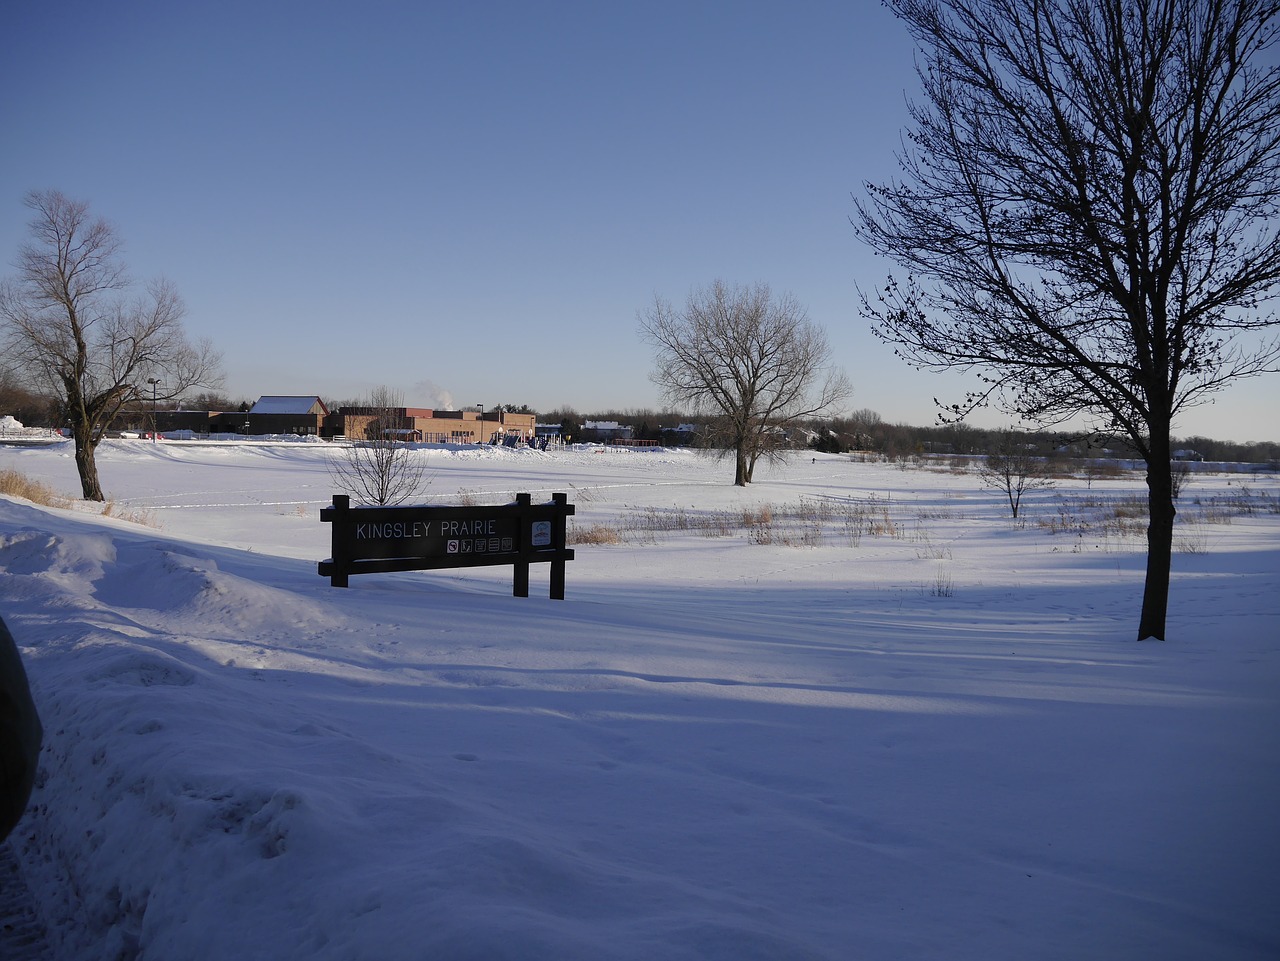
[[369, 540]]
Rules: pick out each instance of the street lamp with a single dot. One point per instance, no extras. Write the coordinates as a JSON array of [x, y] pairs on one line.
[[480, 428], [154, 382]]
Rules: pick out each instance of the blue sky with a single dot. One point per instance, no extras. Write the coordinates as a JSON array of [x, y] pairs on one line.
[[471, 202]]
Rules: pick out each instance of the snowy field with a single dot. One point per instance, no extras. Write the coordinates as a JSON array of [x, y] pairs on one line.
[[854, 711]]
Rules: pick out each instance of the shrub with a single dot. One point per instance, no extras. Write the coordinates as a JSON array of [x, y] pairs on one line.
[[595, 534], [19, 485]]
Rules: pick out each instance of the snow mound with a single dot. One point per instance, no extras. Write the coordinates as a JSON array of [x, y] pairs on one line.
[[72, 558], [192, 587]]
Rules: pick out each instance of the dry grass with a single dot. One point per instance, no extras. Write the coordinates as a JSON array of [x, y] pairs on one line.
[[1120, 523], [1192, 538], [812, 522], [582, 495], [1092, 520], [132, 515], [944, 584], [928, 549], [19, 485], [881, 524], [595, 534], [1099, 470], [1242, 501], [1098, 521]]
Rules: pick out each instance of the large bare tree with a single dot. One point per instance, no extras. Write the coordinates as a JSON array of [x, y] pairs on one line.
[[72, 328], [754, 362], [1087, 215]]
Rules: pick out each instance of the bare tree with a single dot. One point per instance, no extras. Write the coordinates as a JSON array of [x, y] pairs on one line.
[[1087, 215], [1014, 470], [755, 363], [1180, 477], [71, 328], [382, 467]]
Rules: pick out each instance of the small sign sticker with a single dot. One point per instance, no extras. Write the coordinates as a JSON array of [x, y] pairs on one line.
[[541, 533]]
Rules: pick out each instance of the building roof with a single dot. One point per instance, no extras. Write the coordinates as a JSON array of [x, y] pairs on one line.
[[283, 404]]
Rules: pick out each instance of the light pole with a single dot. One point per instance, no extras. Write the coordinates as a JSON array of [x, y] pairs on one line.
[[480, 429], [154, 382]]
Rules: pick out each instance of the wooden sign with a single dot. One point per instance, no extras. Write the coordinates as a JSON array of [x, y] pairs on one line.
[[370, 540]]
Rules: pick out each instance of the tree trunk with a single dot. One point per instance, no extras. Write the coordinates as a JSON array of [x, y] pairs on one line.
[[1155, 597], [87, 466], [741, 469]]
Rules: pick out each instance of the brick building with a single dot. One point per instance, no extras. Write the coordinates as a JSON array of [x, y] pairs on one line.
[[432, 426], [308, 415]]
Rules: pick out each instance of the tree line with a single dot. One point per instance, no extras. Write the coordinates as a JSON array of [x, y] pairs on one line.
[[861, 430], [866, 431]]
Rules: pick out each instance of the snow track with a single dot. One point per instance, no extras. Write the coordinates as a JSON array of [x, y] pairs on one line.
[[22, 937]]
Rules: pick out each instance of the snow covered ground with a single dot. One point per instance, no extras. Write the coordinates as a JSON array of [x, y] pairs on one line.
[[853, 711]]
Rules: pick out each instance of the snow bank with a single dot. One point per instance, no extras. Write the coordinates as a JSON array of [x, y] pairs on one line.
[[713, 749]]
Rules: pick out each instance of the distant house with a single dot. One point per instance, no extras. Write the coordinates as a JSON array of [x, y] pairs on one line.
[[604, 431], [681, 436]]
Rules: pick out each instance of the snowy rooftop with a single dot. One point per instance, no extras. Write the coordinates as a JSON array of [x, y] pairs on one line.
[[287, 405]]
